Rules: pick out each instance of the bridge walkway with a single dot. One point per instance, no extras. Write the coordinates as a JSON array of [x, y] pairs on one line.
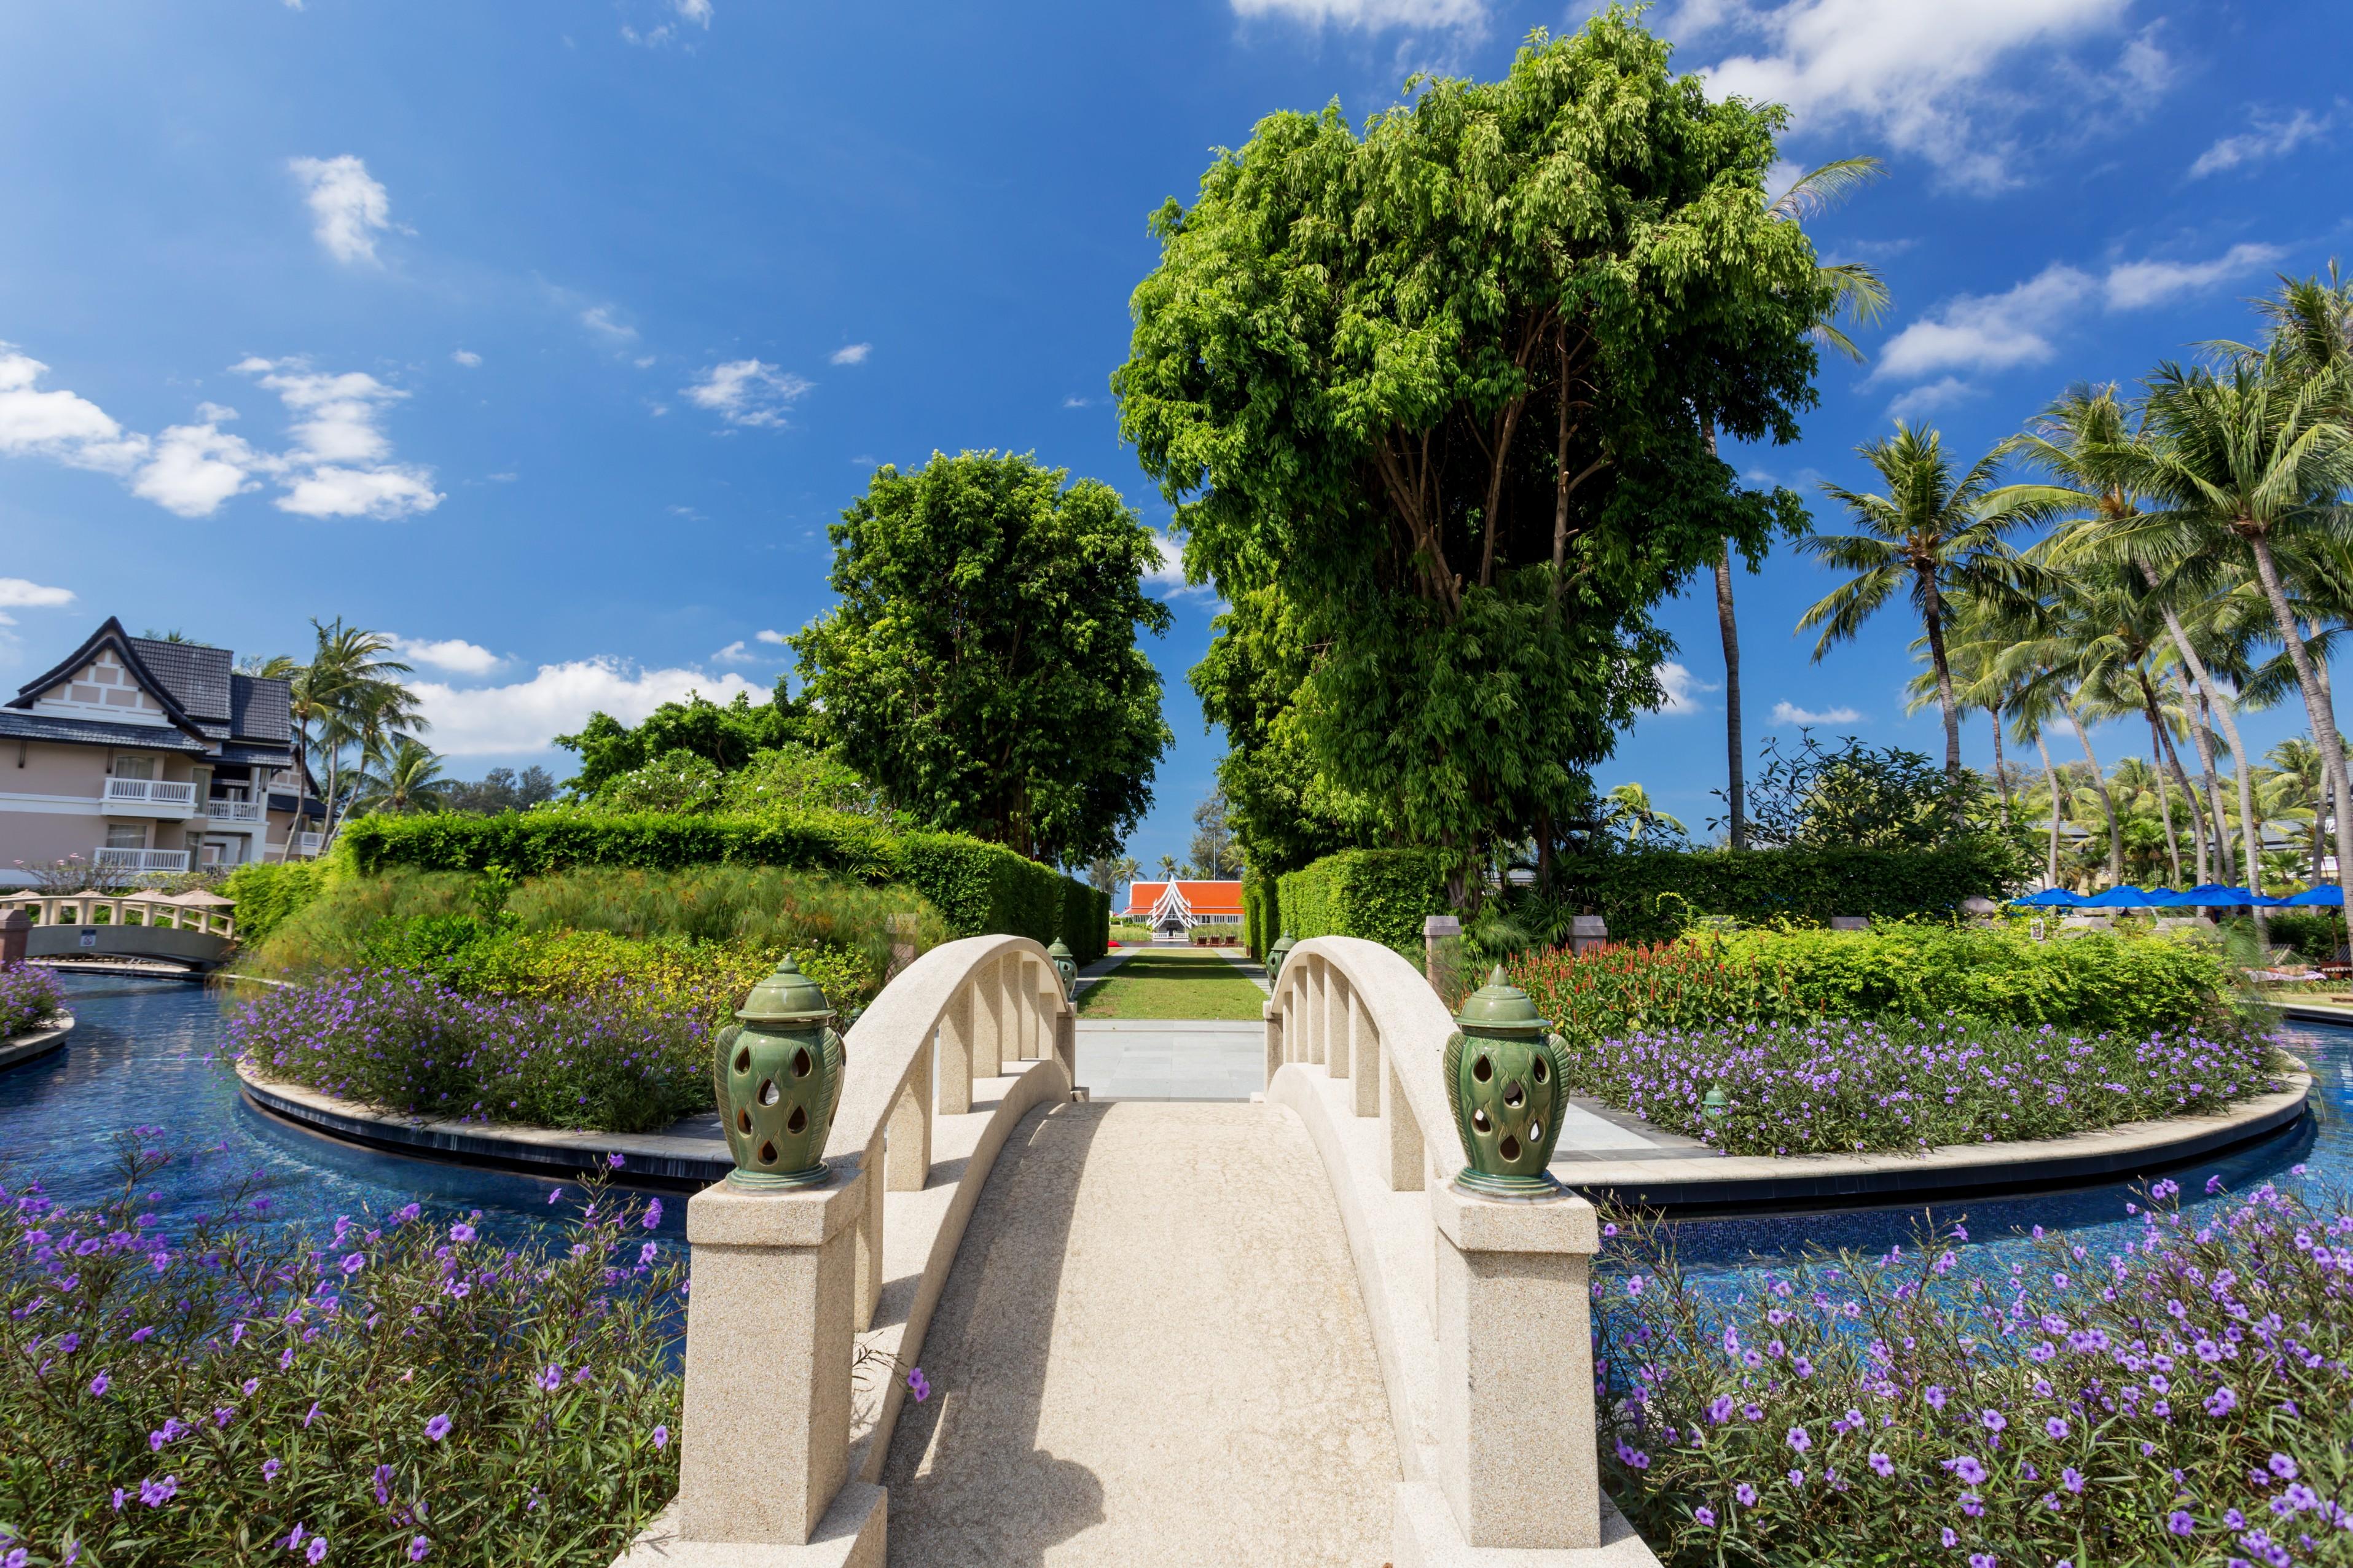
[[1152, 1350]]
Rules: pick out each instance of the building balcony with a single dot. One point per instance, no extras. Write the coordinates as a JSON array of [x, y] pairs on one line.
[[231, 812], [140, 859], [148, 797]]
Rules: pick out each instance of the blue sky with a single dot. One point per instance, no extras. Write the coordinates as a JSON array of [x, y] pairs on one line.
[[550, 336]]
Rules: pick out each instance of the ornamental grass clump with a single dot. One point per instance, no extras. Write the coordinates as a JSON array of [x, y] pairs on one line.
[[27, 997], [2188, 1400], [603, 1058], [400, 1390], [1841, 1085]]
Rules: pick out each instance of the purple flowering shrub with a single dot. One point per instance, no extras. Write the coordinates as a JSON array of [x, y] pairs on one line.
[[603, 1058], [2187, 1401], [1833, 1085], [27, 994], [403, 1390]]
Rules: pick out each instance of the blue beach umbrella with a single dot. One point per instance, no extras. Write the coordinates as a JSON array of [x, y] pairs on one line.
[[2125, 898], [2329, 895], [2216, 893], [2051, 899], [2167, 899]]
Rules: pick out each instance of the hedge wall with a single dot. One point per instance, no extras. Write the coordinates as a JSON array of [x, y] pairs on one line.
[[266, 892], [979, 887], [1378, 894], [1261, 913], [1628, 888]]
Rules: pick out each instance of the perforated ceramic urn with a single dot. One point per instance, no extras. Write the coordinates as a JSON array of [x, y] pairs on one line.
[[1504, 1069], [1276, 956], [1066, 965], [778, 1075]]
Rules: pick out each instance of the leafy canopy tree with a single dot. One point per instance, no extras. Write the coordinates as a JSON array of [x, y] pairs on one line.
[[982, 667], [1442, 385], [725, 736]]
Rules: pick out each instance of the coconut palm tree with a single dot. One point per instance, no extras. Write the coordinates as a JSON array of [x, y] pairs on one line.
[[1935, 534], [1630, 804], [2233, 461], [1852, 293], [408, 780], [2294, 791]]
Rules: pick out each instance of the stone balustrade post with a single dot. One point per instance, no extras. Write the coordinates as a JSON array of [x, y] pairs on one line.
[[902, 928], [958, 1031], [1587, 932], [1437, 930], [1515, 1358], [765, 1436], [16, 933]]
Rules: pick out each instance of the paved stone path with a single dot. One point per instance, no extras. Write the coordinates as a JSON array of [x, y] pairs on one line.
[[1151, 1352]]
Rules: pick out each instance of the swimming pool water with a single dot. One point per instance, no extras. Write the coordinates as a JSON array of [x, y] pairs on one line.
[[145, 1053]]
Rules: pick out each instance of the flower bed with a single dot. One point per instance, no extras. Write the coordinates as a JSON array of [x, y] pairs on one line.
[[2189, 1401], [27, 995], [1837, 1086], [603, 1058], [401, 1391]]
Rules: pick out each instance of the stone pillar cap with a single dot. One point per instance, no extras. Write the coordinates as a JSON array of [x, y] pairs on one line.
[[1441, 925]]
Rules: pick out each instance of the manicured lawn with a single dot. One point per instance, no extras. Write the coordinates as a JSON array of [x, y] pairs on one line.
[[1173, 985]]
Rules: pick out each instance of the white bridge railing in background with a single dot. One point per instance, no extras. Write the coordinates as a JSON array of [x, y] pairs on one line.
[[778, 1449], [1479, 1307]]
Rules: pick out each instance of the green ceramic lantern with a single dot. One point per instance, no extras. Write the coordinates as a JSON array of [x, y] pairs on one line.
[[1503, 1075], [1066, 965], [1275, 956], [778, 1077]]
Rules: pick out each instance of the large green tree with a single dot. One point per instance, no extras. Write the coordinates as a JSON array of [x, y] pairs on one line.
[[982, 667], [1442, 385], [726, 735]]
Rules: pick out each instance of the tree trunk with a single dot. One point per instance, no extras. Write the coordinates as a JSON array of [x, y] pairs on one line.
[[2188, 801], [1737, 795], [1934, 615], [2223, 707], [2202, 733], [2107, 801], [2001, 779], [2324, 722], [2164, 797], [2050, 875]]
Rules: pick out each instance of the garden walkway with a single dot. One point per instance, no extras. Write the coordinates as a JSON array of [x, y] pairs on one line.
[[1142, 1360]]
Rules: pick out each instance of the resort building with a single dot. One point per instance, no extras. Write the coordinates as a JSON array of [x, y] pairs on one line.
[[142, 755], [1173, 908]]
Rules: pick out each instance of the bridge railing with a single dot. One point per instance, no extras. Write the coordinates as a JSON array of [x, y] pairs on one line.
[[794, 1290], [120, 909], [1479, 1307]]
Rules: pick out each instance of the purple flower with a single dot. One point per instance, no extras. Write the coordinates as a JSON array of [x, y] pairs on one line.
[[155, 1494], [2221, 1402], [1935, 1396], [1994, 1420], [2180, 1523], [1705, 1517], [919, 1386], [461, 1231], [2056, 1426], [1799, 1440], [1719, 1409], [1746, 1494], [613, 1162], [1884, 1465], [551, 1380], [653, 1214], [2071, 1479], [438, 1427], [555, 1197], [1948, 1538], [418, 1547], [99, 1384], [662, 1436], [2283, 1466], [1796, 1478], [318, 1552], [1966, 1467], [269, 1469]]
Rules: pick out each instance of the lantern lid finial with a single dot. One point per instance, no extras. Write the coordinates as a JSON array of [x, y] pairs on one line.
[[785, 996], [1500, 1007]]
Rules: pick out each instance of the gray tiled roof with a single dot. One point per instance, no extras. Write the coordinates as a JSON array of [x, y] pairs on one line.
[[259, 709], [198, 676], [234, 753], [15, 724]]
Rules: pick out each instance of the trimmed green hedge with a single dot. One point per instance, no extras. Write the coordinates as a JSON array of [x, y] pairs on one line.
[[979, 887], [1261, 913], [266, 892], [1380, 895], [1645, 894]]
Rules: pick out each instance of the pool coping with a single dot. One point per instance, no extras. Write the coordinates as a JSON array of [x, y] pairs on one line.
[[649, 1159], [34, 1044], [1746, 1184]]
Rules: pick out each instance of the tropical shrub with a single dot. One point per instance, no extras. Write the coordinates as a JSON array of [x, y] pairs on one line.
[[605, 1055], [402, 1389], [268, 891], [1840, 1085], [27, 994], [1647, 894], [2187, 1402]]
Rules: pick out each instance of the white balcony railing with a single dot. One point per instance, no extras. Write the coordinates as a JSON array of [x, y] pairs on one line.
[[148, 792], [233, 810], [141, 859], [307, 843]]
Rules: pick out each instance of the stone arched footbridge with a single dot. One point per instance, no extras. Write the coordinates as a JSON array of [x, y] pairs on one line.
[[1153, 1332]]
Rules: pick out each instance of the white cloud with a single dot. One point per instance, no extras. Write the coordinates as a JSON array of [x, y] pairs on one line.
[[1077, 402], [2269, 138], [737, 652], [697, 11], [1370, 15], [339, 464], [1791, 713], [747, 391], [17, 594], [454, 654], [1936, 394], [197, 467], [775, 638], [348, 207], [1681, 688], [525, 716], [598, 319], [854, 355], [1999, 332], [1931, 76], [466, 357], [1167, 579], [2133, 285], [63, 426]]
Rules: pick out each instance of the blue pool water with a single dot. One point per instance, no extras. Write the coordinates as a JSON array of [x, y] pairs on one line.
[[144, 1053]]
